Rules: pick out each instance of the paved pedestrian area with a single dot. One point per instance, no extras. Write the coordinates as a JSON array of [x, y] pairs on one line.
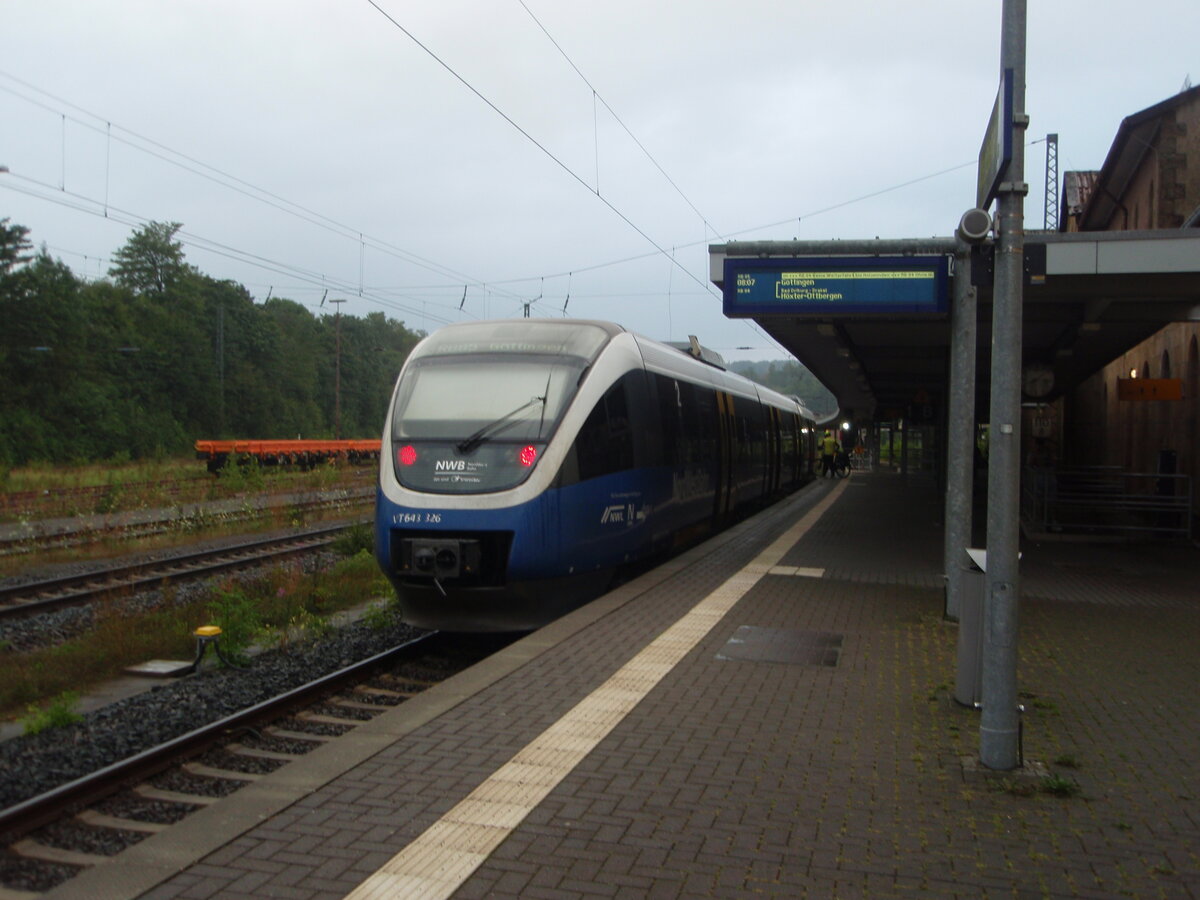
[[805, 743]]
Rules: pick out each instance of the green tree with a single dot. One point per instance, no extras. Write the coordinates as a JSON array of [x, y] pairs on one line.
[[58, 394], [145, 363], [299, 408], [373, 349], [151, 262], [13, 242]]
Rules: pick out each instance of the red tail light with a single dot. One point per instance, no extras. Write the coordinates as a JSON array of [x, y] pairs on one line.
[[406, 455], [528, 455]]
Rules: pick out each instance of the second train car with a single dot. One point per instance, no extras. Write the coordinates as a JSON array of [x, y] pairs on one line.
[[526, 462]]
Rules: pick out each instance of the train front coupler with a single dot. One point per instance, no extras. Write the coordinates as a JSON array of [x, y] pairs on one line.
[[440, 559]]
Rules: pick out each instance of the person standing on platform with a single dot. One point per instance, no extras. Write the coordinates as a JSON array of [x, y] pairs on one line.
[[829, 451]]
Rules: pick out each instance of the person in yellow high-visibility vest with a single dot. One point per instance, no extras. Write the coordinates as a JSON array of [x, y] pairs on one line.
[[829, 451]]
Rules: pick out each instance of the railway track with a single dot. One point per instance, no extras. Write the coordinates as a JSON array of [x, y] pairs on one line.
[[90, 497], [30, 598], [37, 536], [51, 837], [96, 499]]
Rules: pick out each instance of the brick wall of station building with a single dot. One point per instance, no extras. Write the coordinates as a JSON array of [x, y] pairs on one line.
[[1166, 188], [1138, 430], [1097, 427]]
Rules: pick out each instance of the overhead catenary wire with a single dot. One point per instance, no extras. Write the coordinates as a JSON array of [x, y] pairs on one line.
[[545, 150], [123, 217], [172, 157], [318, 280], [315, 280], [596, 96], [211, 173], [497, 286], [808, 215]]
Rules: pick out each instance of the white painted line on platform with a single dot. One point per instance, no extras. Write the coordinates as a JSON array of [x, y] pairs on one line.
[[442, 858]]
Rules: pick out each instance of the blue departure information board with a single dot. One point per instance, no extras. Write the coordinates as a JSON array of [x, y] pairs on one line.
[[837, 285]]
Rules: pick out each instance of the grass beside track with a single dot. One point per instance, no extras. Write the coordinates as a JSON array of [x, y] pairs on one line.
[[43, 476], [165, 485], [283, 607], [120, 487]]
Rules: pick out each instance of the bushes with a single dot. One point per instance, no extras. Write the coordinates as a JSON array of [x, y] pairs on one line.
[[359, 538]]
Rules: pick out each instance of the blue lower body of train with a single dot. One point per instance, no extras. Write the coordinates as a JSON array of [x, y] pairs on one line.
[[517, 568]]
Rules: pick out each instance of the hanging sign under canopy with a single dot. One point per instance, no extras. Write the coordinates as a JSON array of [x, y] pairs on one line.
[[836, 285]]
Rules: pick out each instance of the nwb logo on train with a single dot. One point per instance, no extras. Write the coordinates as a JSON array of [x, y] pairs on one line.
[[450, 465], [619, 512]]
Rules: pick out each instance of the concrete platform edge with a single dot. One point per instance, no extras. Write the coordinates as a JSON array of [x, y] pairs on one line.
[[159, 857]]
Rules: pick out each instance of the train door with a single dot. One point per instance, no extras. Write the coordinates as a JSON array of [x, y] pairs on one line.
[[791, 451], [774, 440], [726, 456]]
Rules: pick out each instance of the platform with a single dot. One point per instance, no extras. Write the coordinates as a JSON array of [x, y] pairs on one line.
[[770, 714]]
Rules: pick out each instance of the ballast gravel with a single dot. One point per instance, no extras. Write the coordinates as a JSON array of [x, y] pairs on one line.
[[88, 839], [33, 764], [128, 805], [32, 875], [235, 762]]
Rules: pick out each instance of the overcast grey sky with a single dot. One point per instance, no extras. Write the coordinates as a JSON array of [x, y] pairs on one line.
[[312, 145]]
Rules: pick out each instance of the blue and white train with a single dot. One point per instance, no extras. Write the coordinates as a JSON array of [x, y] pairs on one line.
[[526, 462]]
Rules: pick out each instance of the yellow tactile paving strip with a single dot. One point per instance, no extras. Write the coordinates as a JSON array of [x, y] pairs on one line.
[[441, 859]]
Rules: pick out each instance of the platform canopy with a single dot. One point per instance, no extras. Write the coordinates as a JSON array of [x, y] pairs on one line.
[[871, 319]]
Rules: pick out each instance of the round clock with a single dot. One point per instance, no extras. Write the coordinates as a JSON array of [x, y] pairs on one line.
[[1037, 380]]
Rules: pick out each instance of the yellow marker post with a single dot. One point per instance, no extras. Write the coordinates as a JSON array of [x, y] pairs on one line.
[[205, 635]]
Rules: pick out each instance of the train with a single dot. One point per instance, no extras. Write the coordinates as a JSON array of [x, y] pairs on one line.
[[530, 462]]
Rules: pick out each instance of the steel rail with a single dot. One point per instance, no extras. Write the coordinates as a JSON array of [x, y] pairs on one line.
[[74, 588], [28, 537], [29, 815]]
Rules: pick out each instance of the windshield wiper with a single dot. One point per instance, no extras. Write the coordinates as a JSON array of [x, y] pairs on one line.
[[545, 394], [492, 428]]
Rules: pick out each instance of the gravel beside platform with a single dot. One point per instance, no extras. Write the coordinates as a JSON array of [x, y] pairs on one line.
[[33, 764]]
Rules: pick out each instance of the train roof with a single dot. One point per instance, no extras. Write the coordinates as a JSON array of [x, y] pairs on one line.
[[678, 351], [611, 328]]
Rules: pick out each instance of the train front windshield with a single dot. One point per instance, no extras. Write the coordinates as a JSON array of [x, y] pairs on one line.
[[475, 409]]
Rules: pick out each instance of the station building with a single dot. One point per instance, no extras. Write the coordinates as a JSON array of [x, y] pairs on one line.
[[1110, 375], [1150, 180]]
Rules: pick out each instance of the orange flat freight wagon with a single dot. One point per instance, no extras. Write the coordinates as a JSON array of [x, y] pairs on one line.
[[304, 454]]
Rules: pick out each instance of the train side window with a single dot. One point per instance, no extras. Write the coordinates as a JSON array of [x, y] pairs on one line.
[[605, 442], [670, 414], [699, 437]]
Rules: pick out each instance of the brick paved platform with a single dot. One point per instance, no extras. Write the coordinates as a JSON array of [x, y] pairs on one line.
[[805, 743]]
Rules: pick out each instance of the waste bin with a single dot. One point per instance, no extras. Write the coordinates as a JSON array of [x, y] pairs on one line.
[[969, 675]]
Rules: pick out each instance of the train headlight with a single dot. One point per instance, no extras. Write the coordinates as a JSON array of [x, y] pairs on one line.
[[406, 455], [528, 455]]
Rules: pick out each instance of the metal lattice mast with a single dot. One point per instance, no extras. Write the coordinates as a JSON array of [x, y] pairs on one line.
[[1051, 217]]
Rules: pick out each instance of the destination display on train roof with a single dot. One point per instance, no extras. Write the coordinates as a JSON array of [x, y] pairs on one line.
[[836, 285]]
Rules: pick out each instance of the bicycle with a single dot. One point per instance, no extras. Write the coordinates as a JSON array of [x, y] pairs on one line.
[[841, 465]]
